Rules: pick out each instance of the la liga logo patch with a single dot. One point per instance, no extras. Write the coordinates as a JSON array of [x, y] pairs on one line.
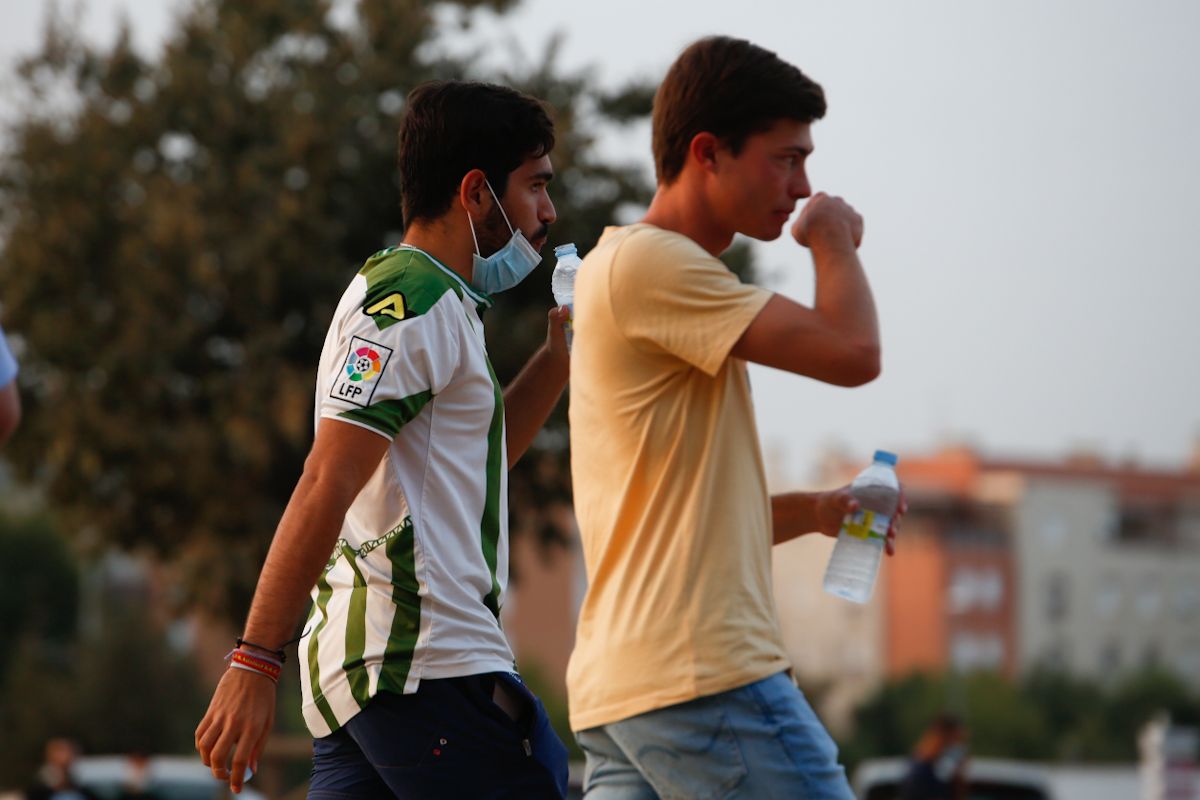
[[365, 362]]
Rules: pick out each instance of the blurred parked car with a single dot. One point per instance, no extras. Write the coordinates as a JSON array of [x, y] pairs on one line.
[[153, 777], [987, 779]]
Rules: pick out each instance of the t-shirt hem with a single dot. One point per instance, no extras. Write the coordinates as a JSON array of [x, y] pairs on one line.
[[458, 670], [583, 720]]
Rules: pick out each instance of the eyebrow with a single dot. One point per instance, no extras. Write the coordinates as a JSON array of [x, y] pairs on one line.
[[545, 177], [804, 151]]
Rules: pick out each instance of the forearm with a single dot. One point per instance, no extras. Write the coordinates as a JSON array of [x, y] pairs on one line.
[[530, 398], [299, 552], [843, 296], [794, 514]]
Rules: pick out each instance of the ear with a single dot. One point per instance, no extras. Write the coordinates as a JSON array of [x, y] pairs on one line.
[[703, 150], [473, 194]]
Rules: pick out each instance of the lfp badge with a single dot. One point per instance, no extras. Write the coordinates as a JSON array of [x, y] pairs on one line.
[[365, 362]]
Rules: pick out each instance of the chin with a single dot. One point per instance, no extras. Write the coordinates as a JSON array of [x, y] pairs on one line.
[[766, 233]]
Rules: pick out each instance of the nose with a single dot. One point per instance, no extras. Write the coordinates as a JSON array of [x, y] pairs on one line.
[[546, 213], [798, 186]]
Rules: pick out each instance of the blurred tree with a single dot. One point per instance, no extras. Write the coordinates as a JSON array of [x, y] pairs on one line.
[[123, 692], [40, 598], [1044, 716], [176, 231]]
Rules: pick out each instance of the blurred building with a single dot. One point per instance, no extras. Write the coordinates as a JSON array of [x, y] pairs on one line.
[[1006, 565]]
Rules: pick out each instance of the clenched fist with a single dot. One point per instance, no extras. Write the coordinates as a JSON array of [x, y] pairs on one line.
[[828, 221]]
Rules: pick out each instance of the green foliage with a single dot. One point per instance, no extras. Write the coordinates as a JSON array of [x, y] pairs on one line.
[[177, 231], [122, 692], [40, 596], [1045, 716]]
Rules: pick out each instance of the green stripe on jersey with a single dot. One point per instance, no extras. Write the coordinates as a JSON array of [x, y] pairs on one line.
[[356, 633], [324, 591], [389, 416], [406, 624], [490, 524], [404, 282]]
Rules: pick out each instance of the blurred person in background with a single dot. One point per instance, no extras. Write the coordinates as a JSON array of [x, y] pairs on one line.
[[938, 767], [399, 523], [55, 778], [10, 401], [679, 685]]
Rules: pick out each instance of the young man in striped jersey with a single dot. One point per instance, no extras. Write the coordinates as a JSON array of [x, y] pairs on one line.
[[408, 681]]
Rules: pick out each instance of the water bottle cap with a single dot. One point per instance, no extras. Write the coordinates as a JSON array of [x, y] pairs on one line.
[[567, 249], [886, 457]]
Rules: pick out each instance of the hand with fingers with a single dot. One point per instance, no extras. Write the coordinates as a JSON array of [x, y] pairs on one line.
[[233, 733], [556, 333], [833, 506], [827, 220]]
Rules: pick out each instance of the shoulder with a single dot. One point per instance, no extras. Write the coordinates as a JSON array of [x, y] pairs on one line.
[[401, 284], [644, 241]]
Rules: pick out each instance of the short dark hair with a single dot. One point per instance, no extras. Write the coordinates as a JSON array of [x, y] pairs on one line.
[[453, 127], [731, 89]]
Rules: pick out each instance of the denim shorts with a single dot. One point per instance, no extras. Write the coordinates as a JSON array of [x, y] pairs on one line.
[[762, 740], [449, 739]]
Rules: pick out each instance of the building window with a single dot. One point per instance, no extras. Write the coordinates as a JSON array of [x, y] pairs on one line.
[[1110, 659], [975, 589], [1149, 523], [972, 651], [1187, 601], [1054, 532], [1149, 599], [1151, 656], [1057, 597], [1108, 598], [1187, 662]]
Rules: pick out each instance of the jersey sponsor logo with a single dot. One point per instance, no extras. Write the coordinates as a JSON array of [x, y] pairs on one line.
[[365, 362], [394, 306]]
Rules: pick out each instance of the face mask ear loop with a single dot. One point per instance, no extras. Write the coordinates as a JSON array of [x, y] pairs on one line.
[[473, 239], [501, 207]]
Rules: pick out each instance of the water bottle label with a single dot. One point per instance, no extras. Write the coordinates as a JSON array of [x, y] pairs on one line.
[[866, 525]]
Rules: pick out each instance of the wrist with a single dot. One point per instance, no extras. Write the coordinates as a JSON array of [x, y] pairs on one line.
[[260, 649], [248, 661], [558, 363]]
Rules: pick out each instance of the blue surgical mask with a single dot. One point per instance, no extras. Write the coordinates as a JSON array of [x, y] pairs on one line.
[[506, 267]]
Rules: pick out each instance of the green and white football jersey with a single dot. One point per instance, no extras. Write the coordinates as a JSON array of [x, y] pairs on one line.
[[414, 587]]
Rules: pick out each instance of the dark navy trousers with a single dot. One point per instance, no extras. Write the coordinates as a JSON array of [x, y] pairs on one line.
[[447, 740]]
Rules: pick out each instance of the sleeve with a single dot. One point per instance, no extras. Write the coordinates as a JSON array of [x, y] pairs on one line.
[[387, 370], [671, 295], [8, 364]]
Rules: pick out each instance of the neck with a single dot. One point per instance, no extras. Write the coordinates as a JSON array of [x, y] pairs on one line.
[[684, 207], [446, 241]]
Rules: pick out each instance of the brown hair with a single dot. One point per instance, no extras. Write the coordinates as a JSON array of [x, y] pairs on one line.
[[453, 127], [731, 89]]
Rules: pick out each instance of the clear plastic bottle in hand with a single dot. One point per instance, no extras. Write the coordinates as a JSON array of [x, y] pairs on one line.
[[855, 561], [562, 283]]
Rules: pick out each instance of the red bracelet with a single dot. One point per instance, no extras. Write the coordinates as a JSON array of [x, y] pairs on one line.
[[240, 659]]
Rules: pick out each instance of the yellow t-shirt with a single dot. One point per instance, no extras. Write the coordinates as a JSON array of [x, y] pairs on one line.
[[670, 492]]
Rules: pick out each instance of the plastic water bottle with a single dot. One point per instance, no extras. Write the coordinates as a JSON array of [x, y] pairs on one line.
[[855, 561], [562, 283]]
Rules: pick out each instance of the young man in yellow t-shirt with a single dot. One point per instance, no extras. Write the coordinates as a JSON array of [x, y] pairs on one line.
[[679, 684]]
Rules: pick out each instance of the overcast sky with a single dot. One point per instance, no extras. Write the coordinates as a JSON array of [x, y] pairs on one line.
[[1028, 174]]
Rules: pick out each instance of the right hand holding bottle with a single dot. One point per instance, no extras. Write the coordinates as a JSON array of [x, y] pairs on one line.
[[826, 220]]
